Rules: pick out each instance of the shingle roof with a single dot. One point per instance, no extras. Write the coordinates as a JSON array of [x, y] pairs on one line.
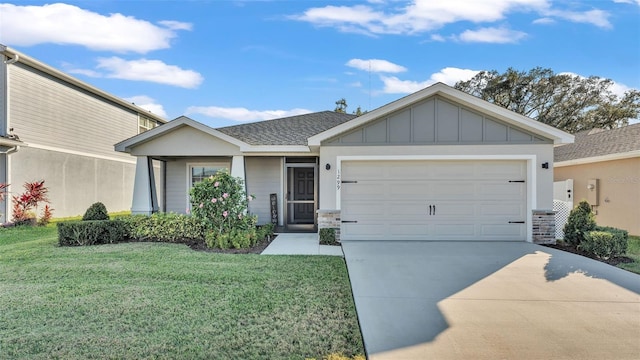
[[294, 130], [597, 142]]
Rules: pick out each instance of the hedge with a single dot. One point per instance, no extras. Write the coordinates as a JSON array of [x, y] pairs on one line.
[[90, 232]]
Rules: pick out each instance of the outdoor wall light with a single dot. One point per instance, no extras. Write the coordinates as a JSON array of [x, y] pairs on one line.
[[328, 166], [545, 165]]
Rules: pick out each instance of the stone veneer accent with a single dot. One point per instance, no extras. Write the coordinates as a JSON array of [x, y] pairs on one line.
[[329, 219], [544, 226]]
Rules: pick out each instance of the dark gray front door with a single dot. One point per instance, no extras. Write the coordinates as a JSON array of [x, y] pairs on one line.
[[301, 199]]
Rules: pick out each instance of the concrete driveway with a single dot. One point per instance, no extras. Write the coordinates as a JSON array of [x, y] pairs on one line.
[[491, 300]]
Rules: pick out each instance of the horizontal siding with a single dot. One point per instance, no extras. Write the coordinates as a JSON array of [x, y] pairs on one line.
[[45, 111], [263, 177]]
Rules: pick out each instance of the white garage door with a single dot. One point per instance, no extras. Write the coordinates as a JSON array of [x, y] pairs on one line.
[[433, 200]]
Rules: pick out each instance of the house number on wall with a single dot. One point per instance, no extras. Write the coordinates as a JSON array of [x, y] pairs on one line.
[[338, 182]]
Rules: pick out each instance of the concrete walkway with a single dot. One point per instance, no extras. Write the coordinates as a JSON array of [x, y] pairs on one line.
[[491, 300], [300, 244]]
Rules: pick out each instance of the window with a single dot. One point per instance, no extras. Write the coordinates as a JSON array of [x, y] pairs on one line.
[[144, 124], [199, 172]]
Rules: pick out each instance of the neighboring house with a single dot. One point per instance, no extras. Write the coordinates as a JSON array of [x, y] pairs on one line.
[[63, 133], [605, 168], [438, 164]]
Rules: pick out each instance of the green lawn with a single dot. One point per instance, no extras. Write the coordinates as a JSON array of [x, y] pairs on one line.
[[633, 252], [166, 301]]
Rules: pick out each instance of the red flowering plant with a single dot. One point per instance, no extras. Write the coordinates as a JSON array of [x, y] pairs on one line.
[[220, 203], [25, 205]]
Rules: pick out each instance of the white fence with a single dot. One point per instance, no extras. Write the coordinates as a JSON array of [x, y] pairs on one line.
[[562, 209]]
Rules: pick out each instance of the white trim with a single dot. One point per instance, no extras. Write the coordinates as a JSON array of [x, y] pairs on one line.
[[477, 104], [80, 153], [189, 165], [593, 159], [530, 181]]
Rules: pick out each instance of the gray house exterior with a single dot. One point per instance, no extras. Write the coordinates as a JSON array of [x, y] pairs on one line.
[[65, 131], [438, 164]]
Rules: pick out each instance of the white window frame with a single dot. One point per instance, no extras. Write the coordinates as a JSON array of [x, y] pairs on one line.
[[221, 164], [145, 123]]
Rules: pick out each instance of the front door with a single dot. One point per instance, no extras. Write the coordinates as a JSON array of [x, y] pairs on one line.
[[301, 199]]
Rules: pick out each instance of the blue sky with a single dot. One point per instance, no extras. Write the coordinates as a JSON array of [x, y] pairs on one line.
[[228, 62]]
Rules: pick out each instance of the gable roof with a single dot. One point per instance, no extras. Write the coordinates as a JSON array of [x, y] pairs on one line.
[[293, 130], [603, 144], [543, 130]]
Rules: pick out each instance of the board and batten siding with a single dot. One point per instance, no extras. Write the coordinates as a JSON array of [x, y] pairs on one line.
[[264, 177], [435, 121], [45, 111]]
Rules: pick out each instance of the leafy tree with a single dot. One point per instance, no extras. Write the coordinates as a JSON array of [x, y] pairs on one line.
[[341, 106], [569, 102], [359, 111]]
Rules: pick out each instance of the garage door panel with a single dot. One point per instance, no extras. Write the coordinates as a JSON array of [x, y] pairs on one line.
[[501, 210], [472, 200], [503, 231]]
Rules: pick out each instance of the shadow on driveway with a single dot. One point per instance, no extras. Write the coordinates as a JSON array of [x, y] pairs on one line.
[[455, 300]]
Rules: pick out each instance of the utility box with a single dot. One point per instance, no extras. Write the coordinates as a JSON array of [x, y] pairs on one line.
[[593, 190]]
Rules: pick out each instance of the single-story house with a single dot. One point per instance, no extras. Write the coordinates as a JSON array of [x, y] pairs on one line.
[[604, 166], [438, 164]]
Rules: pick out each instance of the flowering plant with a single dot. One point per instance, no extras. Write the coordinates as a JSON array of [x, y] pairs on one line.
[[25, 205], [220, 202]]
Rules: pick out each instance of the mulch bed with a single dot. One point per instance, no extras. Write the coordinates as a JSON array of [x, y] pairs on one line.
[[257, 249], [572, 249]]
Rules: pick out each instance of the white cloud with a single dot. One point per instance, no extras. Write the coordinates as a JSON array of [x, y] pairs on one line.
[[70, 25], [376, 65], [599, 18], [544, 20], [148, 103], [243, 114], [149, 70], [448, 75], [491, 35], [420, 16]]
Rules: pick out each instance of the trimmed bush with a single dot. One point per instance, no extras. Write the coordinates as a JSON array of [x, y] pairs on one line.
[[328, 236], [264, 231], [163, 227], [579, 223], [603, 244], [90, 232], [96, 211], [613, 247]]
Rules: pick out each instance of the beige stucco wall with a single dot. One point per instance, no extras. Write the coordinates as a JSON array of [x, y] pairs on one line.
[[619, 190], [542, 178]]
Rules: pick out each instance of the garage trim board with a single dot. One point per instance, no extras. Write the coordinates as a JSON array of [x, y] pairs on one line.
[[442, 199]]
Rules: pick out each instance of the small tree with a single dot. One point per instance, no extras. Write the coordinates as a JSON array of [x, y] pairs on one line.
[[580, 222], [220, 202]]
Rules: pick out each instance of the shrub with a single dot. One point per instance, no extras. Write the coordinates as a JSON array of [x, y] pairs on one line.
[[169, 227], [579, 223], [598, 243], [219, 203], [96, 211], [264, 232], [25, 205], [328, 236], [92, 232]]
